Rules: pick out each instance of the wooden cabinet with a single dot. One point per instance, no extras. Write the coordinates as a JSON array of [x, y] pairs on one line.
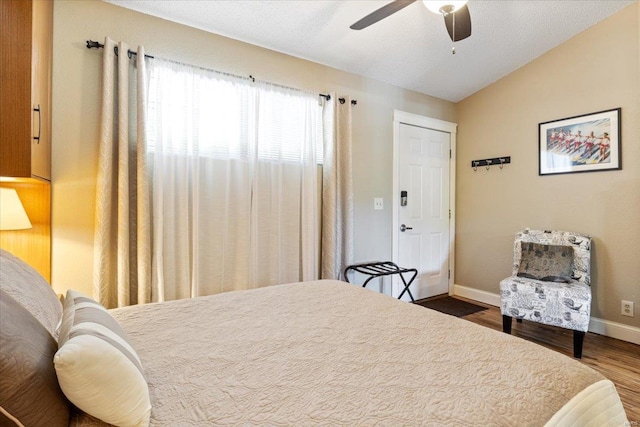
[[26, 32]]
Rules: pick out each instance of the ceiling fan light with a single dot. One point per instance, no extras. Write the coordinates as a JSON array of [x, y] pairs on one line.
[[444, 6]]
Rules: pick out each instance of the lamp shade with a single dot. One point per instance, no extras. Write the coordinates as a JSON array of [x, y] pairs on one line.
[[12, 213], [450, 6]]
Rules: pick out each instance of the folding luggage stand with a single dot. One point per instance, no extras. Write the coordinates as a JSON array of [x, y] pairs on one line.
[[383, 268]]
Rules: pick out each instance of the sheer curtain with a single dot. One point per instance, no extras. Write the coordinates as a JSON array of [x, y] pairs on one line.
[[234, 182], [337, 189], [122, 255]]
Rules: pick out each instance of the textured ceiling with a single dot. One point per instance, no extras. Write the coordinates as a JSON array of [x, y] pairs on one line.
[[410, 49]]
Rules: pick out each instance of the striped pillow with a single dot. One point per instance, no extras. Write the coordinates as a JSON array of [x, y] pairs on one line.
[[97, 367]]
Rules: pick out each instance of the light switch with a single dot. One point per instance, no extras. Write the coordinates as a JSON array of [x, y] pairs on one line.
[[378, 204]]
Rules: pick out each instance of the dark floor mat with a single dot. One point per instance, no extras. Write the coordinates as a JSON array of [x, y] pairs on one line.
[[449, 305]]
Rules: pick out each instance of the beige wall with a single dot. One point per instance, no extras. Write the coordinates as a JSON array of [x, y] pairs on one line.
[[76, 109], [596, 70]]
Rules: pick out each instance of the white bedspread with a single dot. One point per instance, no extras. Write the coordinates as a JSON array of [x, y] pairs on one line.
[[330, 353]]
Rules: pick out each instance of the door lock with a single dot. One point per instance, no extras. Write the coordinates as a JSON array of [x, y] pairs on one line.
[[403, 198], [404, 227]]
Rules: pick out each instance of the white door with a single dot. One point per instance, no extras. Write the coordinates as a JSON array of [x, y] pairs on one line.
[[423, 219]]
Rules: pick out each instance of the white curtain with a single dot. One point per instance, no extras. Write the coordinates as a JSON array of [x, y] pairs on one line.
[[337, 189], [234, 182], [122, 255]]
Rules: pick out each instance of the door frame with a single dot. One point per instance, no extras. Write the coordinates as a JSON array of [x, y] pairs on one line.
[[402, 117]]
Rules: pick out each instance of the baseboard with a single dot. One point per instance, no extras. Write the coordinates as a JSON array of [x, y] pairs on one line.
[[477, 295], [598, 326], [614, 330]]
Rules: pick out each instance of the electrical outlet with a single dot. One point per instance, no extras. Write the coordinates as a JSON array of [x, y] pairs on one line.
[[627, 308], [378, 204]]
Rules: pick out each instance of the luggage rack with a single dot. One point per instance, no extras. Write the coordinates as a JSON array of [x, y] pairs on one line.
[[383, 268]]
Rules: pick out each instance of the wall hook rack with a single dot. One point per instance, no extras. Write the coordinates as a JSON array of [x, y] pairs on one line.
[[487, 163]]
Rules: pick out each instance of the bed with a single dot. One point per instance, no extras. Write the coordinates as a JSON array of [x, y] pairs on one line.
[[331, 353]]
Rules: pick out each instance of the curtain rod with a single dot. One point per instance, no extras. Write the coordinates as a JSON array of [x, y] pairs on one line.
[[342, 100], [97, 45]]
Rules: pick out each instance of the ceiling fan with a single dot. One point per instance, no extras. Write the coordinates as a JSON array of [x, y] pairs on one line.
[[455, 12]]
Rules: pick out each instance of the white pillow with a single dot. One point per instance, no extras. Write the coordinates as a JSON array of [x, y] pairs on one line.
[[97, 367]]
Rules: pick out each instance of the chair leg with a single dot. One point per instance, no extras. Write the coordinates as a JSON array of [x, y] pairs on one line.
[[506, 324], [578, 339]]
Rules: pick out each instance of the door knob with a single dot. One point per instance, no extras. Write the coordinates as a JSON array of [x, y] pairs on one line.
[[404, 227]]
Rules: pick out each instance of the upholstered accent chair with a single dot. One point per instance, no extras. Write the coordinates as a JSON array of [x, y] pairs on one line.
[[550, 282]]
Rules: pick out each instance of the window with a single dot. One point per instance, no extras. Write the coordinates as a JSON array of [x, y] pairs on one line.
[[205, 113]]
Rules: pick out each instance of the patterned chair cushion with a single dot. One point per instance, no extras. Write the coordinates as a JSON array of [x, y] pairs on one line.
[[567, 305]]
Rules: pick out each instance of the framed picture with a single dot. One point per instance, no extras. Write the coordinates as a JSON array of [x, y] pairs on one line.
[[586, 143]]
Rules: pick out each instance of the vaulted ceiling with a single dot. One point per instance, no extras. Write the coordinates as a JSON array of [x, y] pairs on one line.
[[410, 49]]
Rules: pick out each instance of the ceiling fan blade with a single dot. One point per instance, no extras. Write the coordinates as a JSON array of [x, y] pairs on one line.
[[463, 23], [381, 13]]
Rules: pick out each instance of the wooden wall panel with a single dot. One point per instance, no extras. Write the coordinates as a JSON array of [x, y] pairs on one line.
[[33, 245]]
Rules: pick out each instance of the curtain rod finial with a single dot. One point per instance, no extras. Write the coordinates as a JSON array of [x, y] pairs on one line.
[[94, 45]]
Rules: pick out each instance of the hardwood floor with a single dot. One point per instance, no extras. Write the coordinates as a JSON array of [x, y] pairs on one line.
[[617, 360]]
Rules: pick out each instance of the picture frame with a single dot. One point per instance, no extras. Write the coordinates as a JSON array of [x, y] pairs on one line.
[[586, 143]]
